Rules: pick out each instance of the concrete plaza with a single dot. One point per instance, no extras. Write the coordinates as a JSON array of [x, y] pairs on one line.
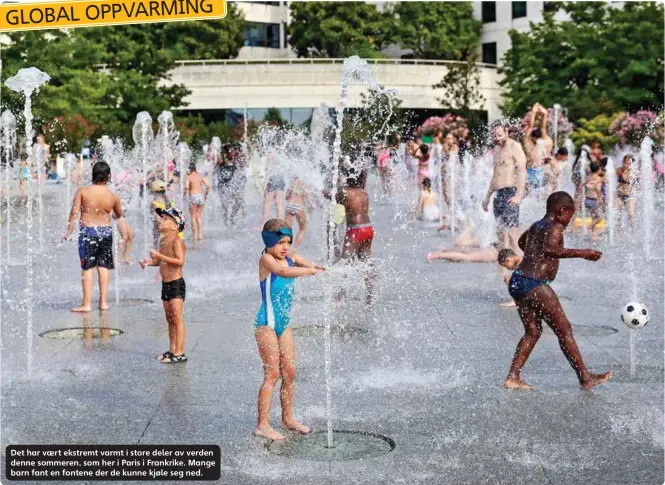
[[424, 367]]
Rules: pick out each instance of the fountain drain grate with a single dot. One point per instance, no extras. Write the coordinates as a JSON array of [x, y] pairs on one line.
[[337, 331], [347, 445], [81, 332]]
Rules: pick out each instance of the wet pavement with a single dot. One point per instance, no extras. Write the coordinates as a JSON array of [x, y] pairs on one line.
[[424, 367]]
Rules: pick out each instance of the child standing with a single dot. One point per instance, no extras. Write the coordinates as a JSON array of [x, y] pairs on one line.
[[273, 334], [171, 258], [595, 194]]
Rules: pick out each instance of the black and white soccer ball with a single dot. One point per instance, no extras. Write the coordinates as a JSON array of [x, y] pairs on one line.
[[635, 315]]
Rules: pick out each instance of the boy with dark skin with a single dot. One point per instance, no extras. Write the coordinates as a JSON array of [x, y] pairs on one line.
[[359, 233], [529, 286]]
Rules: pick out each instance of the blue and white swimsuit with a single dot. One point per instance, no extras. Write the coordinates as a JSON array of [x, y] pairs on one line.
[[277, 299]]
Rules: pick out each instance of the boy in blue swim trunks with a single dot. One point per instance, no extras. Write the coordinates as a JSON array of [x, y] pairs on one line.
[[94, 205], [529, 286], [274, 337]]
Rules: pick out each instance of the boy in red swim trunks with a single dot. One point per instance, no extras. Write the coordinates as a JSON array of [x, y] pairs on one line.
[[359, 231]]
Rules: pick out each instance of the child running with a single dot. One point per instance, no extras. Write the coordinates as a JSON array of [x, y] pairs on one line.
[[274, 337], [530, 287], [171, 258]]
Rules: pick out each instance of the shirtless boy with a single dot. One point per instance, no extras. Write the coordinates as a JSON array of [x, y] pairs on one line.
[[95, 204], [171, 258], [359, 231], [508, 181], [536, 301], [197, 198]]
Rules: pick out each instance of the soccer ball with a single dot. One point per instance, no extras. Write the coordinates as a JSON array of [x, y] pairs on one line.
[[635, 315]]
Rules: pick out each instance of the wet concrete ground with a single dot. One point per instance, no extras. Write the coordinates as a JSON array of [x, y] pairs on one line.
[[425, 367]]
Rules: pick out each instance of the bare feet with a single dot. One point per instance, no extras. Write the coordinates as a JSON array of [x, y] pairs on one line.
[[128, 261], [430, 257], [516, 383], [268, 432], [594, 379], [103, 307], [508, 304], [82, 309], [293, 425]]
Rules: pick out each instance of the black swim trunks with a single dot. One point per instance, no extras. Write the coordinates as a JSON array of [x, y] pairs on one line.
[[173, 289], [506, 214], [96, 247]]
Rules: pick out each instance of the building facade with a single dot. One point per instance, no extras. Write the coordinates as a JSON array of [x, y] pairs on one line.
[[268, 74]]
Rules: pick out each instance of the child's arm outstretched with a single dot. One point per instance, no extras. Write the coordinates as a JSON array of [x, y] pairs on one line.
[[553, 247], [305, 263], [271, 264]]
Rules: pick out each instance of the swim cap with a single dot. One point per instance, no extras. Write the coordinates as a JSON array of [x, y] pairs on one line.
[[271, 238]]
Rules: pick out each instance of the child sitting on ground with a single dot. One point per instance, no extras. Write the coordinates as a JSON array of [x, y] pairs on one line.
[[171, 258], [428, 209], [274, 337]]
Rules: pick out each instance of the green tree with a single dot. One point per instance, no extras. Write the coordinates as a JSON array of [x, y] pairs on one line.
[[604, 59], [336, 29], [207, 39], [274, 117], [436, 30], [137, 59], [461, 88], [378, 119], [595, 129]]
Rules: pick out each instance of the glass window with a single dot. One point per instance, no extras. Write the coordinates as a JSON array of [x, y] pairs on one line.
[[489, 53], [259, 34], [519, 10], [488, 12]]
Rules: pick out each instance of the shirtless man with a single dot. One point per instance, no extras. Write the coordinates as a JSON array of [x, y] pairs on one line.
[[359, 231], [538, 146], [95, 204], [508, 181], [536, 300], [195, 184]]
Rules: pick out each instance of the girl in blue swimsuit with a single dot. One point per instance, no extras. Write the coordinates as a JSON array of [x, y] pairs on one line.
[[274, 338]]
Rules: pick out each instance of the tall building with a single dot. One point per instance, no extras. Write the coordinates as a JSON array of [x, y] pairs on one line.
[[265, 34], [500, 17]]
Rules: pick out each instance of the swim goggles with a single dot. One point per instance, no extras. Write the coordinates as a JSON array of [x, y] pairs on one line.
[[271, 238]]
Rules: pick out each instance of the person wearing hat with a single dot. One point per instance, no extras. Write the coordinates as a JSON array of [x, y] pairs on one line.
[[171, 258], [160, 201]]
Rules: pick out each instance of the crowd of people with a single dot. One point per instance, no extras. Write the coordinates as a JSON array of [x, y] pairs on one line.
[[529, 260]]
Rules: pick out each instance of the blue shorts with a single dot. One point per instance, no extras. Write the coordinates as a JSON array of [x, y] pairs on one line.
[[520, 285], [535, 177], [96, 247]]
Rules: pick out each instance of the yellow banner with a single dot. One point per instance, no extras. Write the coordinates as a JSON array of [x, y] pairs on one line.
[[88, 13]]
